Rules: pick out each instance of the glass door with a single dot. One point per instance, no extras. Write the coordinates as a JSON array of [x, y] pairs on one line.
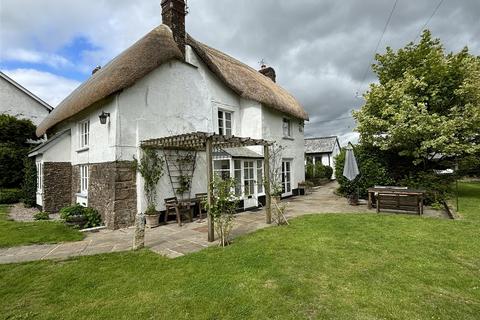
[[250, 198], [286, 178]]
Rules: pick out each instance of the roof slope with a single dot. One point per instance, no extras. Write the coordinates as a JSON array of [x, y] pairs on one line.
[[248, 82], [148, 53], [156, 48], [26, 91], [320, 144]]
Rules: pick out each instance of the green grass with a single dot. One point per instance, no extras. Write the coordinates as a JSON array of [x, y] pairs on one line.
[[469, 195], [13, 233], [320, 267]]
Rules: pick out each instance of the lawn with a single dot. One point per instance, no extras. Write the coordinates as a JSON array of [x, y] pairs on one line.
[[13, 233], [320, 267]]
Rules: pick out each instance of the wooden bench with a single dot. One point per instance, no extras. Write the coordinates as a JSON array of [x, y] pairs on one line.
[[178, 209], [396, 199]]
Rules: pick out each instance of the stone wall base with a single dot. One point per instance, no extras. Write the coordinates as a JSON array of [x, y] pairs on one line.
[[57, 182], [112, 191]]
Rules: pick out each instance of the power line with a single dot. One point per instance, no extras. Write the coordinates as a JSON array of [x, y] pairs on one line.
[[378, 43], [428, 20]]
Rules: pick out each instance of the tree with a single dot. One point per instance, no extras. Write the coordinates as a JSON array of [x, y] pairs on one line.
[[14, 134], [425, 105]]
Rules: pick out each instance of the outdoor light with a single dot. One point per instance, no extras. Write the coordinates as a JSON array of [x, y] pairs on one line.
[[103, 117]]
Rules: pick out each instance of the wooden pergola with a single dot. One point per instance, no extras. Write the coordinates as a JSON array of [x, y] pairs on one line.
[[203, 141]]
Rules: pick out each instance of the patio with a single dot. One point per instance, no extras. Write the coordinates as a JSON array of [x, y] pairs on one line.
[[173, 241]]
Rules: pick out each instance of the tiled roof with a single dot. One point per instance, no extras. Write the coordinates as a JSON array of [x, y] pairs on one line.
[[320, 144]]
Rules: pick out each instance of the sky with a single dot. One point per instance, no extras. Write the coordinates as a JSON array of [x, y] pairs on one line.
[[321, 50]]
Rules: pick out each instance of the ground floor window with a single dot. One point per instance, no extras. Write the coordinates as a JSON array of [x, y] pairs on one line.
[[84, 179], [248, 178], [259, 176], [237, 170], [39, 176], [221, 168]]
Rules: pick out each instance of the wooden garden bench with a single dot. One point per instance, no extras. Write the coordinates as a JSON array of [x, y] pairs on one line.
[[396, 199]]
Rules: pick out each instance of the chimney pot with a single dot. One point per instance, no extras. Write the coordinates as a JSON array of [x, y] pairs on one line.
[[268, 72], [96, 69]]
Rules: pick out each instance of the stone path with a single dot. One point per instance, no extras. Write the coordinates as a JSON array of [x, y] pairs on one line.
[[174, 241]]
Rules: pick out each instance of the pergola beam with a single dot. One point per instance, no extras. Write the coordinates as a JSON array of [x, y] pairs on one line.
[[203, 141]]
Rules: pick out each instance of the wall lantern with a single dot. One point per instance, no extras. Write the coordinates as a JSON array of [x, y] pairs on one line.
[[103, 117]]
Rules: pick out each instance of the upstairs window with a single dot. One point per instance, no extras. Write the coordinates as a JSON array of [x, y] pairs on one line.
[[224, 123], [39, 176], [84, 133], [287, 128], [84, 179]]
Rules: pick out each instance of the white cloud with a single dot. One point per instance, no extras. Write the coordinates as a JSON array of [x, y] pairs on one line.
[[31, 56], [49, 87]]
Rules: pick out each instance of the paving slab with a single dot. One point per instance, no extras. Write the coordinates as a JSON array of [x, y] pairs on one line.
[[174, 241]]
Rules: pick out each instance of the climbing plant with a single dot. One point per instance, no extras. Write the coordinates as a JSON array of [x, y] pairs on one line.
[[151, 168]]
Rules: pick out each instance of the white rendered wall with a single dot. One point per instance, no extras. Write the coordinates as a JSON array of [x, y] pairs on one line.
[[294, 147], [59, 151], [15, 102]]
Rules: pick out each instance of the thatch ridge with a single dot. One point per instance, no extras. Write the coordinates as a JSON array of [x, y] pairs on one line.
[[145, 55], [246, 81]]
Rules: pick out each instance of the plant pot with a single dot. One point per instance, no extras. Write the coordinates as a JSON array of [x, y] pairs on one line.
[[76, 221], [353, 200], [152, 220]]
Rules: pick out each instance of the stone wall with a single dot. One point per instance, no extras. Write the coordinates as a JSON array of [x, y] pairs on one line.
[[57, 183], [111, 190]]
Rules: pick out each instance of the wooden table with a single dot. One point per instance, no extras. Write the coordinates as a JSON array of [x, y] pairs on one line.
[[396, 199]]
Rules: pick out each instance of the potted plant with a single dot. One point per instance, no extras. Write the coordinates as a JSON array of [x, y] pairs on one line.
[[151, 170]]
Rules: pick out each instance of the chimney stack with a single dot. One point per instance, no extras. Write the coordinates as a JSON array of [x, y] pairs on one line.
[[173, 15], [268, 72]]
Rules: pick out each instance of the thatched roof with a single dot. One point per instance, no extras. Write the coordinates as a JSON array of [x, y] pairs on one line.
[[156, 48], [248, 82], [320, 145], [147, 54]]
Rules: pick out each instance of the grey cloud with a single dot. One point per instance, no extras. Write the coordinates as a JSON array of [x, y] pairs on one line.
[[320, 49]]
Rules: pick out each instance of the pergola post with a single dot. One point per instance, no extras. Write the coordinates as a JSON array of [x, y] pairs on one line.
[[209, 149], [268, 199]]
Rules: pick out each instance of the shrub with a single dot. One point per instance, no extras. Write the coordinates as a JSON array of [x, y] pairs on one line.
[[29, 185], [93, 218], [14, 134], [71, 211], [437, 187], [328, 172], [88, 217], [42, 215], [310, 171], [9, 196], [373, 171]]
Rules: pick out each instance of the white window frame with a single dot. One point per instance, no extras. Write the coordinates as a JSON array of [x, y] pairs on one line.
[[84, 176], [39, 166], [222, 171], [223, 128], [260, 186], [287, 128], [84, 134]]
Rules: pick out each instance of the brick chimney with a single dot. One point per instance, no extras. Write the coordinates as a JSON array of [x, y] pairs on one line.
[[173, 15], [268, 72]]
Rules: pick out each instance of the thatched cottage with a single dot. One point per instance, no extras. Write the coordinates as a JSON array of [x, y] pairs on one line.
[[165, 84]]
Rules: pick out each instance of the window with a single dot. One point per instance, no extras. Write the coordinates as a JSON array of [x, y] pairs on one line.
[[221, 168], [84, 179], [259, 176], [248, 178], [287, 128], [286, 177], [237, 170], [84, 133], [39, 176], [224, 123]]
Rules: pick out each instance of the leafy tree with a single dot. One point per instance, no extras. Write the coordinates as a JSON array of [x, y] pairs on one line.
[[14, 134], [425, 105]]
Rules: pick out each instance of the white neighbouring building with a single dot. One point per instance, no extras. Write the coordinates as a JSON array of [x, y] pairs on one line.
[[322, 149], [17, 101], [165, 84]]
